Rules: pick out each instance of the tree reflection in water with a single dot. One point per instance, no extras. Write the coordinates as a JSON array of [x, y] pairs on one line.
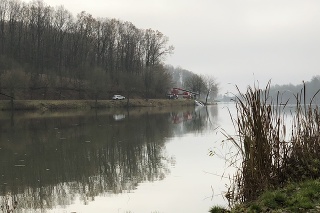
[[52, 159]]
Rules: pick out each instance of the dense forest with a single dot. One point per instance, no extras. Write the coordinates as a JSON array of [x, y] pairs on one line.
[[47, 53]]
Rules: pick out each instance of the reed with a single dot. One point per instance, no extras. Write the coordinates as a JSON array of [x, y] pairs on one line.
[[269, 158]]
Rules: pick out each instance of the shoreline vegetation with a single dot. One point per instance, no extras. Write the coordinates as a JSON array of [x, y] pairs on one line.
[[44, 105], [48, 53], [278, 162]]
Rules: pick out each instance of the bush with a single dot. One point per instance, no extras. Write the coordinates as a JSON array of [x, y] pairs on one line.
[[218, 209], [13, 80]]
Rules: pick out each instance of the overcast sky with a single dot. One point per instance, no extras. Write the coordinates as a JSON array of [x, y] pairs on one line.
[[236, 41]]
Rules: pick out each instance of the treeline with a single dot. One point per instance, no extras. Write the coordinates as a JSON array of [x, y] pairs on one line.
[[289, 92], [179, 76], [48, 53]]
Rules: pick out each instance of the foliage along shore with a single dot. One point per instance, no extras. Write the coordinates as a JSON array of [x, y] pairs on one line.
[[278, 170], [89, 104], [294, 197]]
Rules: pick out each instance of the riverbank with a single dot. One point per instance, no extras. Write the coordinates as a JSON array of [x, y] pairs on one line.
[[294, 197], [44, 105]]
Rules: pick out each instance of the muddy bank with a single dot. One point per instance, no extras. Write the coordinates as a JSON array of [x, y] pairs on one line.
[[89, 104]]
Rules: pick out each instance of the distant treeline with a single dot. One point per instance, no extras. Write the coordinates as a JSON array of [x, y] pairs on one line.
[[289, 92], [48, 53], [180, 76]]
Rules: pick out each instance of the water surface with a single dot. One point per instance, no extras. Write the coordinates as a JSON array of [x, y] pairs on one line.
[[138, 160]]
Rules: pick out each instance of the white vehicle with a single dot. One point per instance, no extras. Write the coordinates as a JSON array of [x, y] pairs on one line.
[[118, 97], [119, 117]]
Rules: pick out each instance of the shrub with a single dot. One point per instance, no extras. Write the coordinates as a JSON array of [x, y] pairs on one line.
[[218, 209]]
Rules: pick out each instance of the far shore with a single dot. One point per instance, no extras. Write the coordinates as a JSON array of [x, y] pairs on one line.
[[44, 105]]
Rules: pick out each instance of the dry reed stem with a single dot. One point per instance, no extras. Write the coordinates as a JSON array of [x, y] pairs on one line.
[[268, 159]]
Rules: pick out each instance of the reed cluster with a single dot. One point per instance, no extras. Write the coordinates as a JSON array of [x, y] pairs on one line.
[[272, 154]]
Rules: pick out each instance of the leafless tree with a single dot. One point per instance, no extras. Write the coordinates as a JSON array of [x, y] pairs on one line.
[[196, 84], [50, 43], [211, 86]]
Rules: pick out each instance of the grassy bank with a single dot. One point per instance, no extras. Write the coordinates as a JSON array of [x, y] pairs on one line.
[[278, 163], [294, 197], [89, 104]]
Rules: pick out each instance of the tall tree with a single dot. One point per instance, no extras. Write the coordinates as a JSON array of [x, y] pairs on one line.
[[156, 48], [211, 87], [14, 80], [14, 8], [98, 83], [49, 41], [3, 12], [196, 84], [62, 22]]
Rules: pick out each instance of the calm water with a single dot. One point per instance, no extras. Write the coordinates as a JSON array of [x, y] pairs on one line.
[[140, 161]]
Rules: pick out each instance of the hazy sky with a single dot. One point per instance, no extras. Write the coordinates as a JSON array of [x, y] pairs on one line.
[[236, 41]]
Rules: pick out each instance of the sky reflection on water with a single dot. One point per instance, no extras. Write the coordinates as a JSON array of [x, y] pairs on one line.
[[144, 160]]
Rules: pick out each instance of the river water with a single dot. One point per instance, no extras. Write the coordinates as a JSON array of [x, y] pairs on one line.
[[142, 160]]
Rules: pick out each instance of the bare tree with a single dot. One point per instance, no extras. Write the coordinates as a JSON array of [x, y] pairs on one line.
[[196, 84], [47, 41], [3, 12], [62, 22], [98, 83], [211, 87], [14, 8], [162, 82], [155, 47], [14, 80]]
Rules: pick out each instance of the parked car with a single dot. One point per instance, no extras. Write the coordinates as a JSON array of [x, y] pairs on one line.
[[118, 117], [172, 96], [118, 97]]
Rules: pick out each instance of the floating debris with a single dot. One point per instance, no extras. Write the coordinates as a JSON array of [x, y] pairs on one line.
[[87, 141], [19, 165], [63, 138]]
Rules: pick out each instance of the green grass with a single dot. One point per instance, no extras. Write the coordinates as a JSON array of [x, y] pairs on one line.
[[218, 209], [294, 197]]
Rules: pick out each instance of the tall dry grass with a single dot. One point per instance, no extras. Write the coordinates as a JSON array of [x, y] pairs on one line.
[[269, 156]]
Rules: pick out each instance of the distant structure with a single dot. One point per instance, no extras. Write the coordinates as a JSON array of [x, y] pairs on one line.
[[176, 93]]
